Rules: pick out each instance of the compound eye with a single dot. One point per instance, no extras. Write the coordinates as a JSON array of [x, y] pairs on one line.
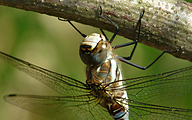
[[95, 53], [101, 47], [100, 54]]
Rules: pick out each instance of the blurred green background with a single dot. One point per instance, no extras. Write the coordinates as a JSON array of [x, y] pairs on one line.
[[47, 42]]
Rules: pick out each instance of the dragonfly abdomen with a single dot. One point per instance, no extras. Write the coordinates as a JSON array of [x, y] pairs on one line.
[[103, 75], [116, 110]]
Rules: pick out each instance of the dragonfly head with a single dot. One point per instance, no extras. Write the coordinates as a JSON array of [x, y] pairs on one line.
[[94, 49]]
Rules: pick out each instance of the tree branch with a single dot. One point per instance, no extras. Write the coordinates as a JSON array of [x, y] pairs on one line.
[[166, 25]]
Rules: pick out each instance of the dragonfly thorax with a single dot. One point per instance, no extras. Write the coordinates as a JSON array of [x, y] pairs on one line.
[[94, 49]]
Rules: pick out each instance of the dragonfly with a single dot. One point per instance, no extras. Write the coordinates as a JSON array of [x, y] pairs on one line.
[[104, 95]]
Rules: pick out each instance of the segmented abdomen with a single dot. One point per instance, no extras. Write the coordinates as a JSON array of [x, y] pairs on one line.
[[104, 74]]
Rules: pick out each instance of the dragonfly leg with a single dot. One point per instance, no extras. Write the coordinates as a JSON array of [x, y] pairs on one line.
[[134, 42], [117, 27], [125, 59], [73, 27], [140, 67], [104, 34]]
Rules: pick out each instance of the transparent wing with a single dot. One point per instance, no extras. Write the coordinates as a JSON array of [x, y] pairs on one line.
[[63, 107], [77, 100], [144, 111], [143, 92], [60, 83], [159, 87]]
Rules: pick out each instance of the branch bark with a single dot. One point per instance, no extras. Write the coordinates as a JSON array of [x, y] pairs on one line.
[[166, 25]]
